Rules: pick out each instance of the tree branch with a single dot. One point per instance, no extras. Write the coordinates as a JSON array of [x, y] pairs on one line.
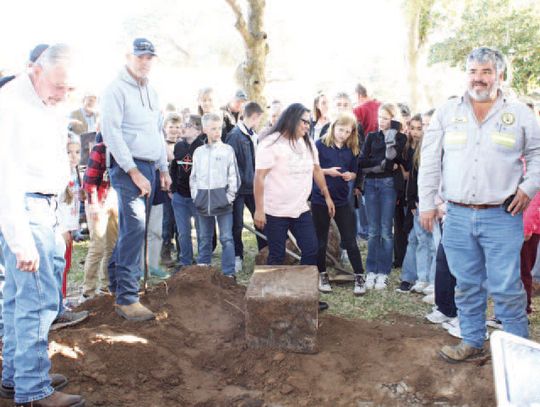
[[240, 25]]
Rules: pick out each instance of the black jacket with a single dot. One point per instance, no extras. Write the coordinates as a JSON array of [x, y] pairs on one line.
[[240, 139], [181, 165], [374, 153]]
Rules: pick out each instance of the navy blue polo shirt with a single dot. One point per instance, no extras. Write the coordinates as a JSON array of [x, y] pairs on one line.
[[339, 188]]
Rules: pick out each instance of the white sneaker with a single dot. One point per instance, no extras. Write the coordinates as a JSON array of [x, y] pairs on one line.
[[453, 329], [370, 280], [237, 264], [380, 282], [430, 289], [494, 323], [359, 285], [419, 286], [437, 317], [429, 299], [324, 283]]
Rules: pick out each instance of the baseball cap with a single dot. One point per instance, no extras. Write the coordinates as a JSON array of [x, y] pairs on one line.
[[142, 46], [240, 95], [37, 51]]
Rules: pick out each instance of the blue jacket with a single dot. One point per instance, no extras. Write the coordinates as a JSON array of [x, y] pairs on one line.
[[337, 186]]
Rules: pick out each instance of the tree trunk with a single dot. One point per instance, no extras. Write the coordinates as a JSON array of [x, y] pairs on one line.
[[251, 74], [412, 57]]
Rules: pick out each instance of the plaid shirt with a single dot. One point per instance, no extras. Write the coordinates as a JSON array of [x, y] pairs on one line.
[[95, 179]]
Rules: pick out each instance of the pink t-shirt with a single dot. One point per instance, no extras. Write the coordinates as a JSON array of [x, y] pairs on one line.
[[288, 184]]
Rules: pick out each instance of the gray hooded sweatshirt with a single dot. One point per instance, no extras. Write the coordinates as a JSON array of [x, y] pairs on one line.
[[131, 122]]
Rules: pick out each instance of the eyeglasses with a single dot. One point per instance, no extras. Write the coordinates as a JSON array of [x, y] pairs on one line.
[[188, 125], [306, 122]]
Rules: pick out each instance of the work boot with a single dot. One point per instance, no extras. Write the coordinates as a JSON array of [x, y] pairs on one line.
[[134, 312], [58, 382], [69, 318], [166, 257], [461, 353], [57, 399]]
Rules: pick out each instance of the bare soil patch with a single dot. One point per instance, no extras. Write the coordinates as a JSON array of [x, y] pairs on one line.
[[194, 354]]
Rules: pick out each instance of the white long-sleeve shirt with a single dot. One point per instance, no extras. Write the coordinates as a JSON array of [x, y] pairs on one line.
[[33, 157]]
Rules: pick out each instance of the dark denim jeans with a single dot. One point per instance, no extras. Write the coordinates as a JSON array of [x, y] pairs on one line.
[[380, 206], [302, 229], [238, 223], [345, 221], [132, 213], [169, 226]]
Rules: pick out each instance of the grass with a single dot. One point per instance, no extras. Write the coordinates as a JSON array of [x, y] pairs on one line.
[[375, 305]]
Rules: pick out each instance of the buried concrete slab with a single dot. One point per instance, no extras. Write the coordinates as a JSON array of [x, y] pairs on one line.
[[282, 304]]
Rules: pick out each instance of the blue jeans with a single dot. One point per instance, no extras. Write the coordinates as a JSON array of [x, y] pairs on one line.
[[132, 213], [303, 230], [419, 261], [31, 303], [380, 207], [362, 226], [483, 251], [206, 232], [184, 210], [2, 280]]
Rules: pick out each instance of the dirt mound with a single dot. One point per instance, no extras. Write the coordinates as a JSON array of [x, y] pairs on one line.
[[194, 354]]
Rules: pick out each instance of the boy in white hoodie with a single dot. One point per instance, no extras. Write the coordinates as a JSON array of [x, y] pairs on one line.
[[214, 182]]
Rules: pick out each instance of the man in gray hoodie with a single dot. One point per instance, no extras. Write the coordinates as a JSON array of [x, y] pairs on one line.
[[131, 128]]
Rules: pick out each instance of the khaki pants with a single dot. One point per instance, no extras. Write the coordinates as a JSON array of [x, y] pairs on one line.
[[103, 236]]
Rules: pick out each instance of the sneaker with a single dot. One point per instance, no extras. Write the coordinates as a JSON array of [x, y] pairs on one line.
[[404, 287], [83, 298], [429, 299], [158, 273], [344, 258], [380, 282], [461, 353], [454, 330], [324, 283], [359, 285], [430, 289], [69, 318], [419, 286], [370, 280], [237, 264], [58, 382], [437, 317], [494, 323], [134, 312]]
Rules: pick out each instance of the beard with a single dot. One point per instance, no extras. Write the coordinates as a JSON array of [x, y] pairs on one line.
[[483, 95]]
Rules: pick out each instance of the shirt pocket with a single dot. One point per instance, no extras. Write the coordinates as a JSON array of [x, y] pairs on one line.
[[455, 140], [504, 141]]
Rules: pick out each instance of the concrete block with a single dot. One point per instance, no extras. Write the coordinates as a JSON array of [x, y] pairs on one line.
[[282, 305]]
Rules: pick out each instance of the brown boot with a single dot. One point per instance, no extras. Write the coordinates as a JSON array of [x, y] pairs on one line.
[[58, 382], [134, 312], [461, 353], [57, 399]]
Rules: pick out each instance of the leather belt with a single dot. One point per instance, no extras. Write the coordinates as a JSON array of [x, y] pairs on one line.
[[475, 206]]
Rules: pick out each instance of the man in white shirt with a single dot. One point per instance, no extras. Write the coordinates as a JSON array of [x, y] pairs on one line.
[[34, 168]]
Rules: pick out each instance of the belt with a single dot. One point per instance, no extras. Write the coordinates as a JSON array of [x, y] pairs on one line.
[[475, 206], [144, 160]]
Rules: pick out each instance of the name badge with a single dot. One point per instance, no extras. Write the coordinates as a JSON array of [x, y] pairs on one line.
[[460, 119]]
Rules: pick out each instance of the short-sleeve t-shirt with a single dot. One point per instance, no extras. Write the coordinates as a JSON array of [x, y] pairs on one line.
[[288, 183]]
